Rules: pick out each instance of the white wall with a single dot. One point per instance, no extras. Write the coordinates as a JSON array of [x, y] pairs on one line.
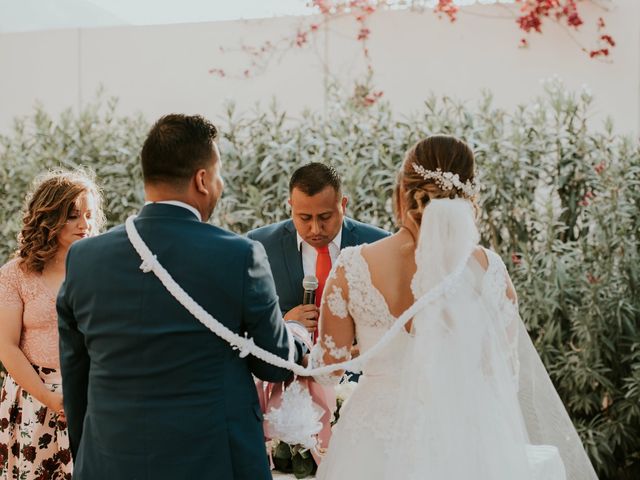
[[162, 69]]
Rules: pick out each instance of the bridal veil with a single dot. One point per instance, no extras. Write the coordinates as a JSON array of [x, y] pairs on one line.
[[475, 399]]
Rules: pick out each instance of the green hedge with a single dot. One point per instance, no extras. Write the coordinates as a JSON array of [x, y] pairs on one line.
[[560, 203]]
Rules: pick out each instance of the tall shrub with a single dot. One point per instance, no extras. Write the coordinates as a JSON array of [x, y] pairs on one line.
[[97, 138], [560, 203]]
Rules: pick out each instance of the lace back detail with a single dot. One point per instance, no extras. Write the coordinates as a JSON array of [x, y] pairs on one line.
[[506, 310], [496, 283], [366, 304]]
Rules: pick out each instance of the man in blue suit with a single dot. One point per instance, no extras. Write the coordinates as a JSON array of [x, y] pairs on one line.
[[149, 392], [311, 240]]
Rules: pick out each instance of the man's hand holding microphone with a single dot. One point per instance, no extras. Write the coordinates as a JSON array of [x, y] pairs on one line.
[[307, 313]]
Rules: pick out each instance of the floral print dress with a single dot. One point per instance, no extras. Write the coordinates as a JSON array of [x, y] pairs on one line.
[[34, 442]]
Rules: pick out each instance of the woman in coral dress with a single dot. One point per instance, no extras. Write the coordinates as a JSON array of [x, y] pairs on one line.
[[34, 443]]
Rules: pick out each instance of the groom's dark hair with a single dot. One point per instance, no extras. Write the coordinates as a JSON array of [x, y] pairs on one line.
[[314, 177], [176, 147]]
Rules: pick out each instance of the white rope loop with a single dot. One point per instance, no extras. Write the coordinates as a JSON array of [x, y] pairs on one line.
[[246, 346]]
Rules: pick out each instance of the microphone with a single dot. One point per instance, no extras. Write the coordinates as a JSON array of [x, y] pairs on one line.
[[309, 285]]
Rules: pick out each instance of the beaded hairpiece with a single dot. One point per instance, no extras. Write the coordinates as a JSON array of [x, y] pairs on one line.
[[447, 180]]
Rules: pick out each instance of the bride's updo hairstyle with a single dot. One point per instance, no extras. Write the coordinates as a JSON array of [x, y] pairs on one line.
[[442, 153]]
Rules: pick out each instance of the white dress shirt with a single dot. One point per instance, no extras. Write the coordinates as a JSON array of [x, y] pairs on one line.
[[178, 203], [310, 254]]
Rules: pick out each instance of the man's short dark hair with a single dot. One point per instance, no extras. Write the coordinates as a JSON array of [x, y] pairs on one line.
[[315, 177], [176, 147]]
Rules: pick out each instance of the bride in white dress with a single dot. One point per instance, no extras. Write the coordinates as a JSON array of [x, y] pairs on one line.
[[460, 392]]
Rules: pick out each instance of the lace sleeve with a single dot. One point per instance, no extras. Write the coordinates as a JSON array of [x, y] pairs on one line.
[[10, 285], [336, 328]]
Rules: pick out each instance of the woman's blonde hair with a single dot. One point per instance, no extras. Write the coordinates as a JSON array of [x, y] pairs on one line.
[[48, 206]]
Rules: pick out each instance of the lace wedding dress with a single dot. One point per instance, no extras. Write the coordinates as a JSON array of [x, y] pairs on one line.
[[361, 436], [463, 396]]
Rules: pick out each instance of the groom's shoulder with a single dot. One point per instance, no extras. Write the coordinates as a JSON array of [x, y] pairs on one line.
[[99, 241], [216, 238], [214, 232], [198, 233], [88, 249], [272, 232]]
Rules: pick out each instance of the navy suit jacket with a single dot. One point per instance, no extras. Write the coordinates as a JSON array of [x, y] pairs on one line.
[[281, 243], [149, 392]]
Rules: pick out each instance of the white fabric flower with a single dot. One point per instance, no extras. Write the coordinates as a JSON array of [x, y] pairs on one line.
[[297, 420]]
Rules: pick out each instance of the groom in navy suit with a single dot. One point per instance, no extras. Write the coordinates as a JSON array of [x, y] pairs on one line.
[[149, 392], [310, 242]]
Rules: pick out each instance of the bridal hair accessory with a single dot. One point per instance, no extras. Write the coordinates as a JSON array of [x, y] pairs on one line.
[[447, 180]]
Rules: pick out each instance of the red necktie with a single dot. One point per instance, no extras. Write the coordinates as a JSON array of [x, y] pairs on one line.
[[323, 267]]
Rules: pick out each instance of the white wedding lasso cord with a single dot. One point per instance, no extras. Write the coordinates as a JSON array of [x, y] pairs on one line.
[[247, 346]]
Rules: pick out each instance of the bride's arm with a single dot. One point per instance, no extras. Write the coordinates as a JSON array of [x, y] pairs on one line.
[[336, 327]]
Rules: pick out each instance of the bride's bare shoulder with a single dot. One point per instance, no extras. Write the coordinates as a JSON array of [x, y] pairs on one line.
[[390, 254], [482, 257], [384, 246]]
